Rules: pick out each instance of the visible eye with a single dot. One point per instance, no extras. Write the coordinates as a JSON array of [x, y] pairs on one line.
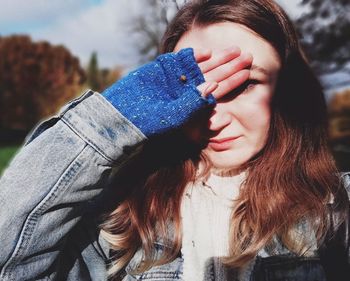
[[242, 89], [249, 84]]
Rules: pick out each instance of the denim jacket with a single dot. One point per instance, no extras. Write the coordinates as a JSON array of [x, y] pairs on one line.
[[49, 193]]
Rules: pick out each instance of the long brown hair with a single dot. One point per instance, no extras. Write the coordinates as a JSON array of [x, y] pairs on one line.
[[292, 179]]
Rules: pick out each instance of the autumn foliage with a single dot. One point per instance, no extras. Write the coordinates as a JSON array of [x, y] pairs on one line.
[[339, 128], [36, 78], [339, 109]]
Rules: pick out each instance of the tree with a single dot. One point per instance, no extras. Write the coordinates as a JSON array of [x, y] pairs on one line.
[[339, 121], [326, 34], [36, 79], [99, 79], [339, 111], [149, 25], [109, 76], [92, 73], [326, 30]]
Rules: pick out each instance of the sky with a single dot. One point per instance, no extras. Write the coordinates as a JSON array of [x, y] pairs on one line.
[[84, 26]]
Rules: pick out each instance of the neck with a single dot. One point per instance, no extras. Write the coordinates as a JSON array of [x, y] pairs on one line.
[[205, 170], [225, 172]]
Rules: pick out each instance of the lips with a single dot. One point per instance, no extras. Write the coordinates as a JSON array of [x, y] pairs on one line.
[[221, 144]]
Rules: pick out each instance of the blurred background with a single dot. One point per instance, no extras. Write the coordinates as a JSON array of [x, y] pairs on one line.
[[50, 51]]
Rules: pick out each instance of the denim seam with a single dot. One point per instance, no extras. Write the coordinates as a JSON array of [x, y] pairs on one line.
[[24, 238], [87, 139], [132, 127], [289, 260], [74, 102], [160, 275]]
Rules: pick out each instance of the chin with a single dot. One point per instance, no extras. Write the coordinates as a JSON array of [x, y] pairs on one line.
[[229, 159], [225, 163]]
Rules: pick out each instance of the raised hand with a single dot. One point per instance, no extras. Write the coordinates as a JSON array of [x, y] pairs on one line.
[[223, 71], [227, 69]]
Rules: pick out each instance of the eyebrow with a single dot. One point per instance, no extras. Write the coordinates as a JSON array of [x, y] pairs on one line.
[[260, 69]]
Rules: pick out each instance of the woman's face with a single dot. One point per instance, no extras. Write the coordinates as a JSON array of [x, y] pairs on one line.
[[239, 124]]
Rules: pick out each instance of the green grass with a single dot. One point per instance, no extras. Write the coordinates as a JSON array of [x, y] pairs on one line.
[[6, 154]]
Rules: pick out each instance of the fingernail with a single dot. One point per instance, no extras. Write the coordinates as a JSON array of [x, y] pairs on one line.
[[211, 88]]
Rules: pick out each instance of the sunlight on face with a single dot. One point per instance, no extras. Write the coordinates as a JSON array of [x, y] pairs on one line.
[[239, 123]]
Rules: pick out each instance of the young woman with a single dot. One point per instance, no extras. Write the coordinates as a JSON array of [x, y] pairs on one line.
[[207, 165]]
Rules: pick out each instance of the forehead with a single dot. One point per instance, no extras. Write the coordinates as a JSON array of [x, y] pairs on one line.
[[219, 36]]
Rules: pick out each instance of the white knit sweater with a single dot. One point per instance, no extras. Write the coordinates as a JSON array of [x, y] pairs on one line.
[[206, 211]]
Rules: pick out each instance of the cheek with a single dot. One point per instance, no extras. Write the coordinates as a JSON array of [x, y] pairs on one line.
[[255, 110]]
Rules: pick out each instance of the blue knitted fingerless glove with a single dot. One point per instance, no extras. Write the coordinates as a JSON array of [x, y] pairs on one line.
[[162, 94]]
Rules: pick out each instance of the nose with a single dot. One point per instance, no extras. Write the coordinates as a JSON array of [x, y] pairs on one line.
[[219, 118]]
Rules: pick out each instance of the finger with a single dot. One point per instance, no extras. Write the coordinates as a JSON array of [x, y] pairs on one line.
[[202, 54], [207, 88], [226, 70], [219, 58], [228, 85]]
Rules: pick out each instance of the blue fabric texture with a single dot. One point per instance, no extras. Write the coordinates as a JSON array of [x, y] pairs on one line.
[[161, 95]]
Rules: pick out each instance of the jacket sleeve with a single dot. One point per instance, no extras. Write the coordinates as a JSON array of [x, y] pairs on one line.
[[346, 181], [55, 177]]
